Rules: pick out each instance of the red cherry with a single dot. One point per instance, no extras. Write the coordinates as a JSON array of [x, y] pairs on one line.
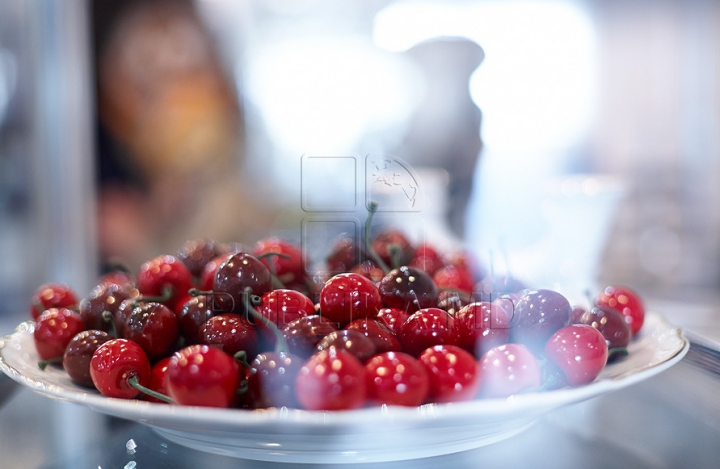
[[390, 240], [427, 259], [482, 326], [196, 253], [346, 297], [342, 257], [409, 289], [207, 276], [282, 307], [54, 330], [240, 272], [271, 382], [625, 301], [368, 270], [396, 378], [303, 334], [579, 351], [331, 380], [154, 328], [157, 383], [508, 369], [52, 295], [76, 359], [383, 338], [611, 325], [353, 342], [105, 297], [453, 373], [231, 333], [120, 278], [201, 375], [426, 328], [538, 315], [113, 365], [456, 278], [393, 318], [162, 273], [290, 270], [122, 313]]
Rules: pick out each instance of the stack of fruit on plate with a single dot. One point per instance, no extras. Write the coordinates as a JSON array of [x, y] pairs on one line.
[[231, 326]]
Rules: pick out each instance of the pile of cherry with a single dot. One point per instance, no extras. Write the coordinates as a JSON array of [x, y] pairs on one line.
[[229, 326]]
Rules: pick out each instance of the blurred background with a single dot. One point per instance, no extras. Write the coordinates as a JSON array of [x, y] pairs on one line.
[[570, 143]]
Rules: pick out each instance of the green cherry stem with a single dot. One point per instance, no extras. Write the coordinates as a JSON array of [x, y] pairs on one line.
[[241, 356], [167, 293], [269, 254], [618, 352], [372, 208], [42, 364], [108, 317], [134, 382]]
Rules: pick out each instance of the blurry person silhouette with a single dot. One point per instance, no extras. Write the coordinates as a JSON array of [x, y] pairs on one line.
[[170, 134], [445, 129]]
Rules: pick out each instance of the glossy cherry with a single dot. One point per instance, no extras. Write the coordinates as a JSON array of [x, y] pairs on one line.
[[625, 301], [193, 314], [454, 278], [538, 315], [331, 380], [384, 339], [396, 378], [79, 352], [271, 382], [453, 301], [482, 326], [207, 276], [346, 297], [393, 318], [55, 329], [579, 351], [231, 333], [154, 327], [303, 334], [201, 375], [509, 369], [290, 267], [164, 273], [282, 307], [122, 313], [114, 364], [238, 273], [453, 373], [104, 297], [52, 295], [427, 328], [196, 253], [353, 342], [157, 383], [409, 289], [118, 277], [611, 325]]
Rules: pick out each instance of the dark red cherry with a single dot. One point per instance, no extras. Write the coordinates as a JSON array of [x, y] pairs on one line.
[[393, 318], [579, 351], [427, 259], [409, 289], [303, 334], [482, 326], [396, 378], [231, 333], [195, 312], [122, 313], [383, 338], [76, 359], [154, 327], [508, 369], [165, 273], [331, 380], [453, 373], [114, 364], [157, 383], [104, 297], [52, 295], [281, 307], [240, 272], [54, 330], [391, 241], [271, 382], [626, 302], [538, 315], [346, 297], [196, 253], [455, 278], [611, 325], [427, 328], [290, 268], [353, 342], [201, 375]]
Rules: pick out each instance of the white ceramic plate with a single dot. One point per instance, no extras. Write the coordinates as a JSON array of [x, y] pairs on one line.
[[366, 435]]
